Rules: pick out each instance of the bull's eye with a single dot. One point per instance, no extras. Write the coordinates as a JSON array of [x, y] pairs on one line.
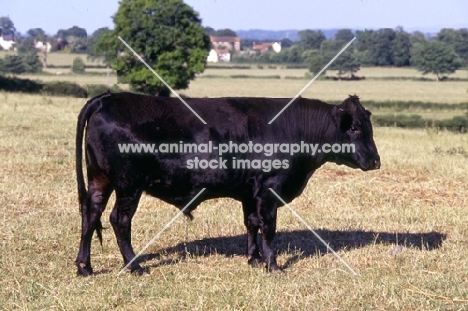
[[353, 128]]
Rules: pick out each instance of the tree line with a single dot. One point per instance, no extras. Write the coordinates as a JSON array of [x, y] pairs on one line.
[[441, 55]]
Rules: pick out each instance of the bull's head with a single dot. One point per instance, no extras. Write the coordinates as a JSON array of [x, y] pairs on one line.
[[355, 128]]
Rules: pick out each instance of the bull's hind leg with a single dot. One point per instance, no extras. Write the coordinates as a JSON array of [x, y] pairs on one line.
[[99, 191], [121, 220], [252, 224]]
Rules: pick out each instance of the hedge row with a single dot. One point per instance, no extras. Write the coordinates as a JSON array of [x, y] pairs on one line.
[[254, 77], [399, 106], [456, 124], [13, 84], [69, 67], [228, 67]]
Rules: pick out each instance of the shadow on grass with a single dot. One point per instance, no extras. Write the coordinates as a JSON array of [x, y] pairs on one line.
[[300, 243]]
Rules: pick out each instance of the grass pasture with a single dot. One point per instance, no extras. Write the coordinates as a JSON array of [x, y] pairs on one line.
[[403, 228], [418, 200]]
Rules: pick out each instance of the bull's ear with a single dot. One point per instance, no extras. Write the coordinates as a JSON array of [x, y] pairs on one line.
[[342, 118]]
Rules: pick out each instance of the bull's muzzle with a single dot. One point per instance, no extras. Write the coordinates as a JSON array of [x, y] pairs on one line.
[[372, 163], [376, 163]]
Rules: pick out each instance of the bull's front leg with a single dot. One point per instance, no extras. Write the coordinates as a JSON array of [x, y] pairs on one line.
[[267, 211]]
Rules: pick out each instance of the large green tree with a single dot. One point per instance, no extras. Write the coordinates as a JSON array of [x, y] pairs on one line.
[[437, 58], [167, 34]]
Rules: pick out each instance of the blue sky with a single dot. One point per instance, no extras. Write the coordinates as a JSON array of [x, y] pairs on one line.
[[425, 15]]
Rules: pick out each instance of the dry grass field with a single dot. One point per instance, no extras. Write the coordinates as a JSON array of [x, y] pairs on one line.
[[403, 228]]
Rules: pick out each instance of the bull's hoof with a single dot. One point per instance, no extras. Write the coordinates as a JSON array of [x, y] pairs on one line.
[[136, 269], [83, 269], [254, 261], [140, 271]]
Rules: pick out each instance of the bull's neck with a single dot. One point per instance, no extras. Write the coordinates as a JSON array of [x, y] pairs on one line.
[[316, 123]]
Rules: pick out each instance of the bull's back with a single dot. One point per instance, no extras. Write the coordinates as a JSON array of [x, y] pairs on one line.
[[124, 119], [168, 119]]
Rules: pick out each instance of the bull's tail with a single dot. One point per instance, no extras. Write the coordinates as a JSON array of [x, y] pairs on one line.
[[89, 108]]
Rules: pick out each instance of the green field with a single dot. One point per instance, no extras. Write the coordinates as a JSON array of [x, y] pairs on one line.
[[417, 200]]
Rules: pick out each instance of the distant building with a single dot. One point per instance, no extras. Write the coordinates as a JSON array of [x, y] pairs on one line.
[[42, 47], [212, 56], [219, 55], [230, 43], [7, 42], [222, 47], [265, 46]]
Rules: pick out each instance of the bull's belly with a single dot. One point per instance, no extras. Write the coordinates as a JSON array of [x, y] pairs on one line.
[[179, 190]]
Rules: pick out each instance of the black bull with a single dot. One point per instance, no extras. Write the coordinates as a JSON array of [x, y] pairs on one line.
[[113, 119]]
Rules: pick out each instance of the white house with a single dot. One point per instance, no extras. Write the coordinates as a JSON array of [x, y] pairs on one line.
[[212, 57], [219, 55], [276, 47], [6, 44], [41, 47]]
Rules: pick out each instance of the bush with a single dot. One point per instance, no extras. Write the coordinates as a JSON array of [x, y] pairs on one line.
[[458, 123], [64, 89], [255, 77], [32, 63], [23, 63], [78, 65], [227, 67], [399, 120], [54, 88], [19, 85], [408, 106]]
